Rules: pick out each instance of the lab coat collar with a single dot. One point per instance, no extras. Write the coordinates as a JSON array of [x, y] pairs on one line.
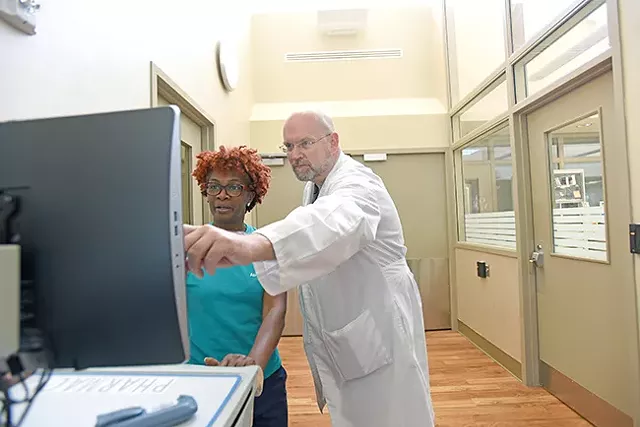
[[341, 159], [308, 193]]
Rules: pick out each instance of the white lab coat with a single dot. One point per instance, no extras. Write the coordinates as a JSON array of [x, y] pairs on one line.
[[363, 326]]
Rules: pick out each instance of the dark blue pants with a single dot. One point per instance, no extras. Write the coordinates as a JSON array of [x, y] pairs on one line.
[[270, 408]]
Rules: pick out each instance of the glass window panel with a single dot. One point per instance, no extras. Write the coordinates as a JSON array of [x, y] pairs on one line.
[[578, 197], [484, 109], [594, 188], [555, 148], [504, 172], [529, 17], [475, 41], [502, 152], [585, 41], [487, 193], [578, 150], [475, 153]]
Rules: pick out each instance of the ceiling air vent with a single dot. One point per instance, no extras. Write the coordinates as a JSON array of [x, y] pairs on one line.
[[343, 55]]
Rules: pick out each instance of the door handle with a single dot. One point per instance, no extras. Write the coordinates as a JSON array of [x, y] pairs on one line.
[[537, 257]]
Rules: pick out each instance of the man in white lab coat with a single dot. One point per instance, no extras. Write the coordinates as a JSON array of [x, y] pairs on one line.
[[344, 249]]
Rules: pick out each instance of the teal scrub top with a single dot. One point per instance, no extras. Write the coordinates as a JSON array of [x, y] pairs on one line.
[[225, 314]]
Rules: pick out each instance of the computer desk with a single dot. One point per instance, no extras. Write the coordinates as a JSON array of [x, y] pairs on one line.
[[75, 398]]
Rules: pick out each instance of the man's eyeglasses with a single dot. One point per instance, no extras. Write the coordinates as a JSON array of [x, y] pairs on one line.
[[305, 144], [233, 190]]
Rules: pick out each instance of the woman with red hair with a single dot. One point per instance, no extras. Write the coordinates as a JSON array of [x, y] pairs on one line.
[[232, 320]]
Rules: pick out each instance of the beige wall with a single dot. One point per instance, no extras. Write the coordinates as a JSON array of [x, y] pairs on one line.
[[370, 132], [491, 306], [418, 74], [377, 103], [629, 13], [95, 56]]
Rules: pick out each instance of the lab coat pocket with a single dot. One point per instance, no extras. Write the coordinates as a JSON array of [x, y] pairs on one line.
[[359, 348]]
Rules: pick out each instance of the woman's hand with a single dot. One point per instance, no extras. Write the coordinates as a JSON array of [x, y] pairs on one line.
[[237, 360], [210, 361], [233, 360]]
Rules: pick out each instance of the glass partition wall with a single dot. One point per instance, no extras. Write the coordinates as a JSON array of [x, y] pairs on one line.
[[538, 146], [501, 55]]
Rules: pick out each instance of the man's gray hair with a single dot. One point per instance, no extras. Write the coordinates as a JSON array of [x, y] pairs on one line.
[[325, 121], [322, 118]]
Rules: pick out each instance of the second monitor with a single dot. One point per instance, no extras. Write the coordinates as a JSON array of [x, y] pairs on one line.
[[100, 230]]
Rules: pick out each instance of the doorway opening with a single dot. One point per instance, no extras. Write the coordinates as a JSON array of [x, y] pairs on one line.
[[197, 134]]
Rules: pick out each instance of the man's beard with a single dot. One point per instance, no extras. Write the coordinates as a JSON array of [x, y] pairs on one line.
[[307, 174], [310, 173]]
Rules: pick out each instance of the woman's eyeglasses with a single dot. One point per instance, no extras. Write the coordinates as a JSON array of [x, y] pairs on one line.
[[233, 190]]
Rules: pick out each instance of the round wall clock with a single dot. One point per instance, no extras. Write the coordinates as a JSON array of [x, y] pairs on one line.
[[228, 65]]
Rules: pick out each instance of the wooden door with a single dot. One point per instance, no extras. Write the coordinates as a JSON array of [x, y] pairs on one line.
[[285, 194], [194, 209], [416, 183], [584, 271]]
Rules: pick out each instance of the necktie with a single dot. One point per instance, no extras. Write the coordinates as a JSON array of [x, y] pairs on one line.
[[316, 192]]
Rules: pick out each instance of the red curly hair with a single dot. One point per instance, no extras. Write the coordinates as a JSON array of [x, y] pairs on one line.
[[240, 159]]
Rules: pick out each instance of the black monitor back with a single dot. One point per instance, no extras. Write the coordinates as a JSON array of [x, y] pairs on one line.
[[100, 229]]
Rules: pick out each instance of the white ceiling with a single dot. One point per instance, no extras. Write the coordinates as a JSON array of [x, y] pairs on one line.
[[285, 6]]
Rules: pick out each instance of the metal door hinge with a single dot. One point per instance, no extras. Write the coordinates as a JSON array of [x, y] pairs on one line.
[[634, 238]]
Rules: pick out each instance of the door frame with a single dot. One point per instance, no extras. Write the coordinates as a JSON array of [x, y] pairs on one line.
[[271, 160], [163, 86], [618, 213], [524, 220], [610, 60], [525, 229], [525, 242], [451, 206]]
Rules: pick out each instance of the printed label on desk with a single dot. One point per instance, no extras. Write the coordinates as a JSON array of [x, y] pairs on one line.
[[118, 385], [76, 399]]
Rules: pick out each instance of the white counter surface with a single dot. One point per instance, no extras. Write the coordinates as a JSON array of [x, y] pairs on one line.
[[73, 398]]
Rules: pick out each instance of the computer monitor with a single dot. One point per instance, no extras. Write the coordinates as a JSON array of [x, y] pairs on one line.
[[100, 228]]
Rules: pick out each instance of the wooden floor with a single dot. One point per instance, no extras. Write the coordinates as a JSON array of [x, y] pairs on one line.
[[468, 389]]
